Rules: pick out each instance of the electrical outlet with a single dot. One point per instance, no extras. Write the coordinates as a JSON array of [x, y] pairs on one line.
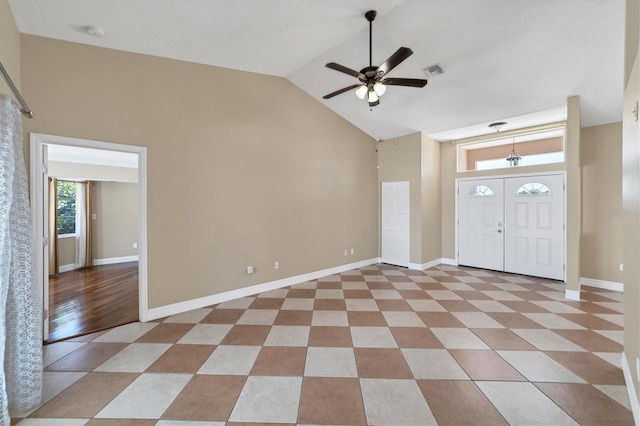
[[622, 267], [353, 251], [135, 245], [276, 265], [346, 252], [249, 269]]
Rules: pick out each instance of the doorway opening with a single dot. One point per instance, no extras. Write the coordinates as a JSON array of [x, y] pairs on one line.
[[89, 217]]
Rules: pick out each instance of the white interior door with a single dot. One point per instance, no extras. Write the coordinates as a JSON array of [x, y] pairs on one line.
[[395, 223], [534, 219], [44, 242], [480, 224]]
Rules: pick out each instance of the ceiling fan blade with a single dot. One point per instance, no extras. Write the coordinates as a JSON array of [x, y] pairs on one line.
[[408, 82], [395, 60], [338, 92], [342, 68]]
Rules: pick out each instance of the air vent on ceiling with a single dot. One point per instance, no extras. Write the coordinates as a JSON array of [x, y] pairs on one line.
[[433, 70]]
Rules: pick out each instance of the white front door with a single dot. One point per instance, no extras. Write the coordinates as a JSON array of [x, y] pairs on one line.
[[480, 224], [395, 223], [534, 219]]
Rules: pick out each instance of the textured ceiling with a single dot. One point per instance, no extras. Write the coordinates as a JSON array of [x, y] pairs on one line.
[[509, 60]]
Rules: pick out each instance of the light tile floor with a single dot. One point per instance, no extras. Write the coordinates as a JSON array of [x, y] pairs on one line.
[[377, 345]]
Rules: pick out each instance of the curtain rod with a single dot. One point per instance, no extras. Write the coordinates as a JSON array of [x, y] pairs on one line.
[[23, 105]]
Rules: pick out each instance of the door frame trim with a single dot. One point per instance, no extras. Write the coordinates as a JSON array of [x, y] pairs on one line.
[[38, 210], [507, 176]]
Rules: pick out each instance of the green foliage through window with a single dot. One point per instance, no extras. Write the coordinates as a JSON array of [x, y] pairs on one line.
[[66, 193]]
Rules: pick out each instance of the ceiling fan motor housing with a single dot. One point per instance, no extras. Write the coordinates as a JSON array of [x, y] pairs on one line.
[[372, 75]]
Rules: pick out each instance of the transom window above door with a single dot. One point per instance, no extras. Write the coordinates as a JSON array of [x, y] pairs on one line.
[[490, 152]]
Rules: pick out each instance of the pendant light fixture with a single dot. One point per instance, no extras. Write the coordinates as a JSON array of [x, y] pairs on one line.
[[513, 159]]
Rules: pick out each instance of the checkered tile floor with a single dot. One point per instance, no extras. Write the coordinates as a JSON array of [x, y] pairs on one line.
[[378, 345]]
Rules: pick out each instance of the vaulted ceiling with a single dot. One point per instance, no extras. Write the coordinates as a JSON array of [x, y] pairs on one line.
[[508, 60]]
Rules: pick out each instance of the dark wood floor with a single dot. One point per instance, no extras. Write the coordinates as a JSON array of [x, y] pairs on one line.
[[92, 299]]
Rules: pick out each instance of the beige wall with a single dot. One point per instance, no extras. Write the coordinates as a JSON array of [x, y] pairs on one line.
[[416, 158], [631, 195], [602, 231], [115, 229], [66, 251], [399, 160], [431, 205], [448, 174], [243, 169], [9, 48]]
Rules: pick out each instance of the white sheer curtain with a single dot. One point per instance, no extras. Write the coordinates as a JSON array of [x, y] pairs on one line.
[[81, 225], [20, 311]]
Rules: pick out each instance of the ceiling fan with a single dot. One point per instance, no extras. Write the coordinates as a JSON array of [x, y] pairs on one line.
[[373, 83]]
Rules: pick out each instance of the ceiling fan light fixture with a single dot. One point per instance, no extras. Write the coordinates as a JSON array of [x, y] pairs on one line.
[[361, 91], [379, 88], [372, 81]]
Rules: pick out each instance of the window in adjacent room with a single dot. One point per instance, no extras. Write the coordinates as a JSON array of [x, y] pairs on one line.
[[66, 212]]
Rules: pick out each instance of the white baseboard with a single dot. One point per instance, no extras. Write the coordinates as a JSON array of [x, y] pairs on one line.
[[422, 267], [112, 260], [201, 302], [99, 262], [67, 268], [607, 285], [631, 390], [448, 261], [572, 294]]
